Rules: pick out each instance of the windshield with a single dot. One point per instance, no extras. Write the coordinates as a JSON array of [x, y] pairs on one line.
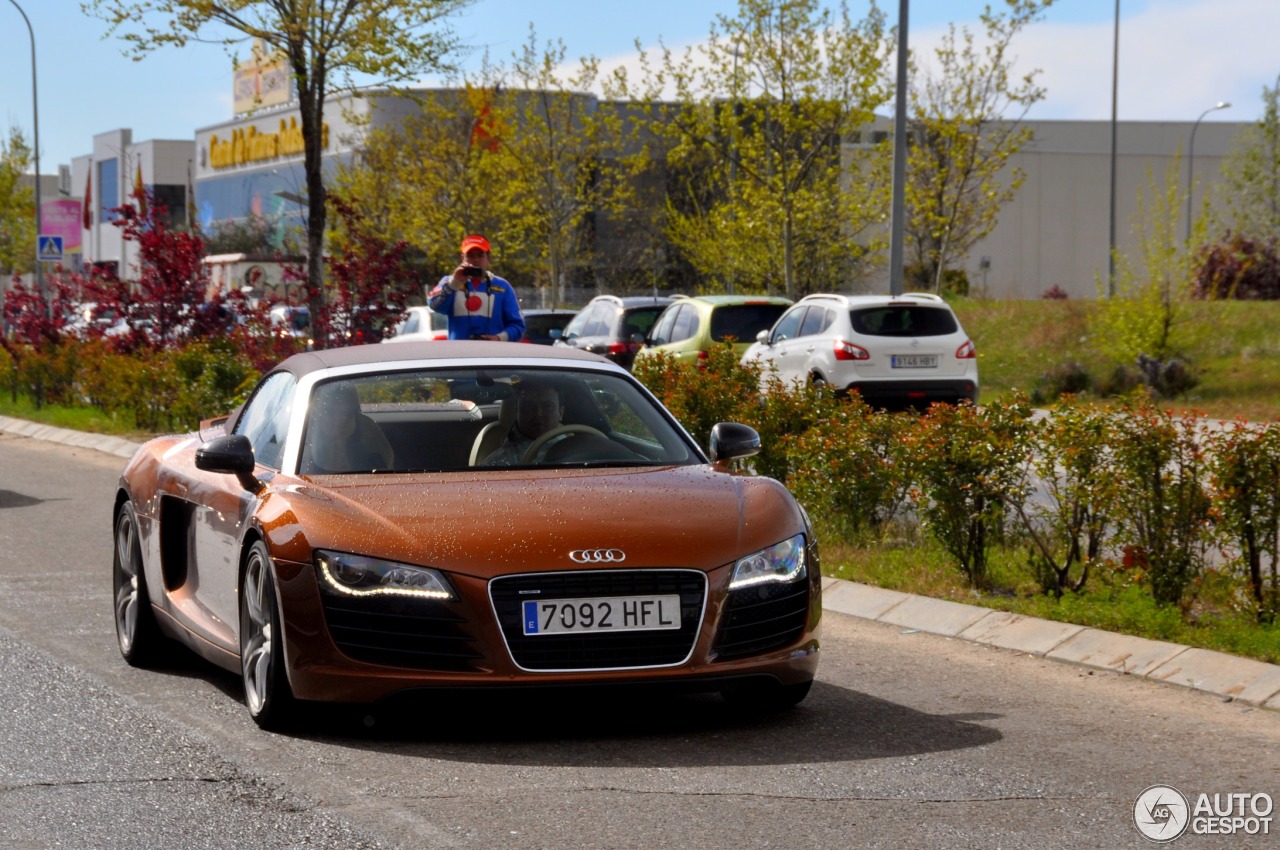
[[742, 322], [903, 320], [458, 419]]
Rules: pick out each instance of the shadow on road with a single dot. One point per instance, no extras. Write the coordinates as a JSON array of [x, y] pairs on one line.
[[627, 728], [10, 499], [833, 725]]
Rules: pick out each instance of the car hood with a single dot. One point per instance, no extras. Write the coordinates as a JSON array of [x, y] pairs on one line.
[[492, 522]]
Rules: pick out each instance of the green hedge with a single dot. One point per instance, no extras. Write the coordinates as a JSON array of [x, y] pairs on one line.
[[1131, 494]]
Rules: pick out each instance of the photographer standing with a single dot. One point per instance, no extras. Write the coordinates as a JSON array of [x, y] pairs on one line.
[[479, 304]]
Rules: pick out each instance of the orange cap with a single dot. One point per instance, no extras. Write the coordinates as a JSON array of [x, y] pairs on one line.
[[475, 241]]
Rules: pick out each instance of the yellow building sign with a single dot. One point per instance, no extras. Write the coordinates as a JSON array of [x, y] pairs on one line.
[[249, 145], [262, 81]]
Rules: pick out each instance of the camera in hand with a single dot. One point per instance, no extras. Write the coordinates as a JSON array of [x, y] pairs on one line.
[[473, 272]]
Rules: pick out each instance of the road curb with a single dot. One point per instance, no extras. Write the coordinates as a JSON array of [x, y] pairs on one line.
[[1228, 676], [101, 442]]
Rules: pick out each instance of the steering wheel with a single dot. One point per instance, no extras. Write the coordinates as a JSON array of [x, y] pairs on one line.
[[559, 431]]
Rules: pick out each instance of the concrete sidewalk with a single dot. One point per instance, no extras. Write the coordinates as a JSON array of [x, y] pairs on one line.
[[1228, 676]]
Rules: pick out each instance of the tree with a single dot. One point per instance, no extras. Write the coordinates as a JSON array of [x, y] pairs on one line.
[[520, 152], [371, 281], [961, 140], [758, 133], [1251, 175], [161, 306], [431, 150], [1151, 321], [322, 41], [17, 207], [558, 155]]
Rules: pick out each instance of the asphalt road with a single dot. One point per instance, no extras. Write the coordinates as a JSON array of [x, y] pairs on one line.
[[908, 740]]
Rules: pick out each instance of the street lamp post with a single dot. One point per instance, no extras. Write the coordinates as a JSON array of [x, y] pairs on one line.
[[1111, 219], [35, 115], [1191, 157], [898, 205]]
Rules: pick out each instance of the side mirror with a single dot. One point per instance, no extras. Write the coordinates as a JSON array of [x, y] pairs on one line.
[[763, 336], [731, 441], [232, 455], [555, 333]]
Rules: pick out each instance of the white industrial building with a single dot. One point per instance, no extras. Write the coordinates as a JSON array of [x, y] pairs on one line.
[[1055, 233]]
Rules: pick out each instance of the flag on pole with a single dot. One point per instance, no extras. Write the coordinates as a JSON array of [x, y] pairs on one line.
[[88, 199], [140, 191], [484, 129]]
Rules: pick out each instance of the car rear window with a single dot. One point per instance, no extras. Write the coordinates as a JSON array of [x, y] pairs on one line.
[[903, 320], [638, 320], [743, 322], [540, 326]]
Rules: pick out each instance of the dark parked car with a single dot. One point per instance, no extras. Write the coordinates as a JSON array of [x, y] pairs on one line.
[[614, 327], [544, 327]]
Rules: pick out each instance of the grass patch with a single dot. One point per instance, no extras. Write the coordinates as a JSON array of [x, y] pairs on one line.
[[1238, 363], [924, 568], [88, 419]]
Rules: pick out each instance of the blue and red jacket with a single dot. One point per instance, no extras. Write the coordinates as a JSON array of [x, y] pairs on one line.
[[486, 306]]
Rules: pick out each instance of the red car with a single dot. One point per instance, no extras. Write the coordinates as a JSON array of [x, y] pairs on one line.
[[377, 519]]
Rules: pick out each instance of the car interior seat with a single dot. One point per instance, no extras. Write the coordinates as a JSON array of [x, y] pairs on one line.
[[490, 438]]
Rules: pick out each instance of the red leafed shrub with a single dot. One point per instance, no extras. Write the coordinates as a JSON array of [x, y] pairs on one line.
[[370, 281], [1238, 267]]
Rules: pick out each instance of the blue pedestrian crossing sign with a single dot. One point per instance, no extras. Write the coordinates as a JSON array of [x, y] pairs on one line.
[[50, 249]]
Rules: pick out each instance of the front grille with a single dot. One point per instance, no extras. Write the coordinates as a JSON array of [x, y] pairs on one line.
[[599, 651], [420, 634], [762, 618]]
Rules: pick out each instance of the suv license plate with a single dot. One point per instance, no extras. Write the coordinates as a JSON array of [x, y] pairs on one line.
[[914, 361], [601, 614]]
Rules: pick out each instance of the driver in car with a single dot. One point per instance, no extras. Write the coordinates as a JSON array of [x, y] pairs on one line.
[[539, 409]]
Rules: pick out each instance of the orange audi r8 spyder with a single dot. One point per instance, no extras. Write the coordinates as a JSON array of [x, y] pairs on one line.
[[381, 519]]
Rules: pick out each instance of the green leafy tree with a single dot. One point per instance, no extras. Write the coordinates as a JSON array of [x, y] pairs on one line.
[[763, 178], [555, 157], [17, 207], [325, 43], [1152, 322], [1067, 524], [968, 464], [1244, 465], [437, 151], [1251, 175], [520, 152], [966, 124], [1160, 504]]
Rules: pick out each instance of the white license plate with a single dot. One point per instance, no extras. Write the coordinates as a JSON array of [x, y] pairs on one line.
[[914, 361], [601, 614]]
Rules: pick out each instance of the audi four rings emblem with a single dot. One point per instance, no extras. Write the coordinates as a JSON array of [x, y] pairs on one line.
[[597, 556]]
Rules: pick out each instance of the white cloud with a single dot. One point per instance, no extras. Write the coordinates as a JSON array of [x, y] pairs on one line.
[[1177, 58]]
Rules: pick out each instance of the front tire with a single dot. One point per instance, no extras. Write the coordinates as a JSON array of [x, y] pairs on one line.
[[266, 686], [137, 633]]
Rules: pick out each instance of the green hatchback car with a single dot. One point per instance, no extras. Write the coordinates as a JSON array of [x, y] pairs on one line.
[[691, 325]]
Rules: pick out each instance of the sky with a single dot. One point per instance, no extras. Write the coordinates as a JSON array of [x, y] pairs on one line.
[[1177, 59]]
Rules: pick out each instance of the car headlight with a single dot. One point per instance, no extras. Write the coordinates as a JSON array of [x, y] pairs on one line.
[[357, 575], [780, 563]]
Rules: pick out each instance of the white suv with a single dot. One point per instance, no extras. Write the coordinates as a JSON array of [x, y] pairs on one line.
[[896, 351]]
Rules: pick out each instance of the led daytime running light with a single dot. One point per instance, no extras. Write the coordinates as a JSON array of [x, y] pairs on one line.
[[779, 564], [389, 571]]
